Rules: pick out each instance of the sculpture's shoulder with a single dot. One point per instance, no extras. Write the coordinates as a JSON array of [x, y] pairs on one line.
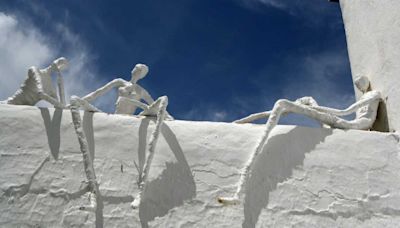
[[140, 90], [374, 94]]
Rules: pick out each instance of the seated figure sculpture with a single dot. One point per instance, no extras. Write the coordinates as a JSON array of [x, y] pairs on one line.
[[130, 95], [366, 110], [129, 99], [38, 86]]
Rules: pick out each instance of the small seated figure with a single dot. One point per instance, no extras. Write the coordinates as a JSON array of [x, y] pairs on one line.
[[38, 86], [130, 95], [366, 111], [129, 99]]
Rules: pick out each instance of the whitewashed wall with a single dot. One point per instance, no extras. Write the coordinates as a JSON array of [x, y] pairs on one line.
[[373, 39], [305, 177]]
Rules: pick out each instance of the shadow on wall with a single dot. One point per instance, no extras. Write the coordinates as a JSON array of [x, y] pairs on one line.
[[175, 184], [52, 126], [381, 123], [53, 130], [281, 154]]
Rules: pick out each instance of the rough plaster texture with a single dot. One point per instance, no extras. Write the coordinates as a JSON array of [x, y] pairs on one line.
[[304, 177], [373, 34]]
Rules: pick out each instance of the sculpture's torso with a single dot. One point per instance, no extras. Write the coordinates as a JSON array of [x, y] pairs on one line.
[[130, 91], [370, 110]]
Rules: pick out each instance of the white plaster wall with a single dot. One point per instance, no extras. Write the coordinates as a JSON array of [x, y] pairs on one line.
[[305, 177], [373, 39]]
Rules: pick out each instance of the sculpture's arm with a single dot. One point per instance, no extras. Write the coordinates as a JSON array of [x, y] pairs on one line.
[[135, 102], [101, 91], [144, 95], [351, 109], [60, 83], [253, 117], [149, 100]]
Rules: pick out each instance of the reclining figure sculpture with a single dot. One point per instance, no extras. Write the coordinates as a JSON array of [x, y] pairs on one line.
[[366, 110], [38, 86], [129, 99]]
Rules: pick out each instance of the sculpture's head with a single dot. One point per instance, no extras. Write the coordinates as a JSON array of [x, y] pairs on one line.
[[139, 72], [362, 83], [61, 63]]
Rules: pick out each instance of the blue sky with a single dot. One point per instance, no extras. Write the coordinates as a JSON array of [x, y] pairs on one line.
[[217, 60]]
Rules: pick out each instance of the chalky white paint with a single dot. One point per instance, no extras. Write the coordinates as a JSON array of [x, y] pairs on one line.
[[305, 177]]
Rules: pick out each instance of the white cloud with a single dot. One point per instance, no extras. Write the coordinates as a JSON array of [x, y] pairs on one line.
[[311, 12], [296, 6], [206, 112], [322, 76], [19, 49], [23, 45]]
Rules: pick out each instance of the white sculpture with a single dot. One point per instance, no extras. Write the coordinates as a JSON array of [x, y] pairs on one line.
[[129, 99], [366, 111], [93, 186], [130, 94], [38, 86]]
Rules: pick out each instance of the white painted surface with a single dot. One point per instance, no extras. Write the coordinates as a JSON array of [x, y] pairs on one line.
[[373, 35], [304, 177]]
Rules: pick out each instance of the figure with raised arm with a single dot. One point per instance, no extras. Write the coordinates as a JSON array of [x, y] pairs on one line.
[[366, 110], [129, 99], [38, 86]]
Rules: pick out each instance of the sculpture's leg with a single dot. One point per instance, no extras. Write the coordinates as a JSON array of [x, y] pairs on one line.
[[161, 103], [87, 161], [51, 100], [253, 117], [271, 123], [281, 107], [84, 104]]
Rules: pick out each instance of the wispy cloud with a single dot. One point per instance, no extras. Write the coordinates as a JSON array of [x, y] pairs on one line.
[[19, 49], [321, 75], [207, 113], [311, 12], [23, 45]]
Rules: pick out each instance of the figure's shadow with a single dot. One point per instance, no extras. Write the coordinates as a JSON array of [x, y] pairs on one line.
[[275, 164], [53, 126], [53, 130], [175, 184]]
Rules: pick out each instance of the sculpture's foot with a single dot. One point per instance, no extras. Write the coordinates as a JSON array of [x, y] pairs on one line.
[[136, 203], [239, 122], [93, 204], [87, 208], [226, 201]]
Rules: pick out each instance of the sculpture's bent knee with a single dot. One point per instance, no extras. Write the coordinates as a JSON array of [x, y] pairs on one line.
[[281, 103], [164, 99]]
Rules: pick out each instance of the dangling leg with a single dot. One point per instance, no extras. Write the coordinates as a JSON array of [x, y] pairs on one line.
[[87, 160], [160, 104], [285, 106], [273, 119]]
